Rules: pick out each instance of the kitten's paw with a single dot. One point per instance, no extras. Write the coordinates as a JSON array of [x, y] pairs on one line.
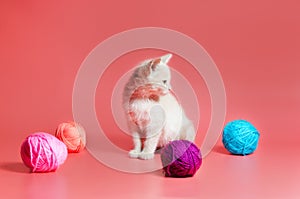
[[146, 156], [134, 153]]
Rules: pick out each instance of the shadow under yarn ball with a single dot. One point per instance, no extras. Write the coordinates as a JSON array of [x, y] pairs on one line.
[[240, 137], [181, 158]]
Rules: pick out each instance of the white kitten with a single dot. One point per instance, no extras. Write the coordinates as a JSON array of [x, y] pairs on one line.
[[154, 114]]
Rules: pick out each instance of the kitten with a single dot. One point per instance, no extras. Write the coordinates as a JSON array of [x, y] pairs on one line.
[[154, 114]]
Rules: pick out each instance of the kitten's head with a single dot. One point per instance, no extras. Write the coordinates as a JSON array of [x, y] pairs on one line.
[[156, 71]]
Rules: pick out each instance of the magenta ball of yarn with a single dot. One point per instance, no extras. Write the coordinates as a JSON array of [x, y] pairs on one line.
[[42, 152], [181, 158]]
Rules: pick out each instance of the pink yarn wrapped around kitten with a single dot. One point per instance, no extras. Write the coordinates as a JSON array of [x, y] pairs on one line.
[[42, 152], [73, 135]]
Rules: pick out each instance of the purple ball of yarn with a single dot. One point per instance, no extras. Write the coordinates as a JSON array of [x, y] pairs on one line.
[[181, 158]]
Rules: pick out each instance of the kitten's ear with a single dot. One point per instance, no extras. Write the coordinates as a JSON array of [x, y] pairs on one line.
[[166, 58], [152, 65]]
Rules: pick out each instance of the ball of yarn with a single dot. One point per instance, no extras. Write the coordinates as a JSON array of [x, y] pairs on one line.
[[73, 135], [42, 152], [240, 137], [181, 158]]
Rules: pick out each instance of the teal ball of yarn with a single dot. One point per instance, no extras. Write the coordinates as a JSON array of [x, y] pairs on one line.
[[240, 137]]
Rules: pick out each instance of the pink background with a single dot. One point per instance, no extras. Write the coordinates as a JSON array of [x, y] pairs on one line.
[[255, 45]]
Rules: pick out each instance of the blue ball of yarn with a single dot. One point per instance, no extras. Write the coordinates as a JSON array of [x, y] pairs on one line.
[[240, 137]]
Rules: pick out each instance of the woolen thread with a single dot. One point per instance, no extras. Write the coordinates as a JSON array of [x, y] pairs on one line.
[[240, 137], [42, 152], [181, 158], [73, 135]]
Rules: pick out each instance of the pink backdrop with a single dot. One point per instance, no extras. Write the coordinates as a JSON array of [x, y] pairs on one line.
[[255, 45]]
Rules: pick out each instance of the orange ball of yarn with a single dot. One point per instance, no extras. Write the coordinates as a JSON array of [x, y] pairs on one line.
[[73, 135]]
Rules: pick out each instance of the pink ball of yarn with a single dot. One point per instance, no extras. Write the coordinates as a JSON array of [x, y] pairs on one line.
[[42, 152], [73, 135]]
